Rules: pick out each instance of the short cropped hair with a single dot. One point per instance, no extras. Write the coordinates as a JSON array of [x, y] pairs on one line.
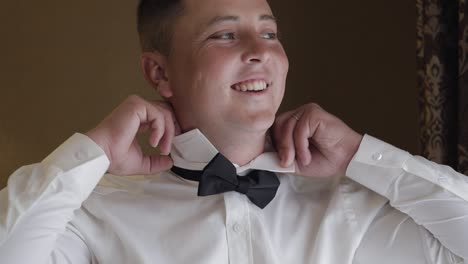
[[155, 19]]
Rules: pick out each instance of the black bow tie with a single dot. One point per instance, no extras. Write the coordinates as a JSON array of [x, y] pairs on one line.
[[220, 176]]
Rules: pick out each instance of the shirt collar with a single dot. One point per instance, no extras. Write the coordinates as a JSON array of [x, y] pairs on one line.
[[192, 150]]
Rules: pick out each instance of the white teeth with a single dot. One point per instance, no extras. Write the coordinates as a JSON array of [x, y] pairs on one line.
[[251, 86], [257, 87]]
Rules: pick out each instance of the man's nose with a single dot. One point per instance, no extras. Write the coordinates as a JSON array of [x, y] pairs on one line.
[[256, 51]]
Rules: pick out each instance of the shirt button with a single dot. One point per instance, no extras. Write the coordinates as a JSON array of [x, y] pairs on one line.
[[377, 156], [237, 228], [442, 179]]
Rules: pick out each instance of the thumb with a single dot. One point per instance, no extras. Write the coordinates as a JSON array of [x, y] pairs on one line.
[[156, 163]]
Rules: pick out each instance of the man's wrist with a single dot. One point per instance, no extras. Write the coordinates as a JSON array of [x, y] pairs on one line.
[[100, 140]]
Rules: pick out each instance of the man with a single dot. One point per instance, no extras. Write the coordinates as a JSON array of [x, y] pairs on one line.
[[222, 68]]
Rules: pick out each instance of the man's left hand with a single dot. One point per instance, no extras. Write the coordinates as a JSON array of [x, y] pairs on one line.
[[322, 144]]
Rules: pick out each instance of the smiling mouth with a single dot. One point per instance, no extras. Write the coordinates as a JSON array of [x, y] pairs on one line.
[[251, 86]]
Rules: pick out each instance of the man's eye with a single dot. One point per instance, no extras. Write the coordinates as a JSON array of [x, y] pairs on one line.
[[270, 35], [225, 36]]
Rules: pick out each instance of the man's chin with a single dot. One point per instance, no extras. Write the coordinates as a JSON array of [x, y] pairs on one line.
[[256, 123]]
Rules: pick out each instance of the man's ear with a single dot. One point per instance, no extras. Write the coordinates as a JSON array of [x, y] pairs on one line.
[[154, 66]]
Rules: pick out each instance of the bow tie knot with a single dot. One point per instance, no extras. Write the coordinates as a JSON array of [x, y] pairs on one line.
[[220, 176], [244, 185]]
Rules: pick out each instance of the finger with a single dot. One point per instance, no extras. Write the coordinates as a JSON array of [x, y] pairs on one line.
[[169, 133], [276, 133], [277, 130], [144, 128], [285, 142], [157, 125], [148, 113], [155, 164], [170, 110], [160, 163], [177, 129], [302, 134]]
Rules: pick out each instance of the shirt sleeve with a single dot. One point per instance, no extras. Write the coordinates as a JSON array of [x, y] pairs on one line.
[[434, 196], [40, 200]]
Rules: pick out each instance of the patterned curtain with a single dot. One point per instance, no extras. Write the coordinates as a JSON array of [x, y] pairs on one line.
[[442, 53]]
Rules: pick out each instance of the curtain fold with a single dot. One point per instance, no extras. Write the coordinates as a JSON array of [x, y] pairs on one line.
[[442, 56], [463, 90]]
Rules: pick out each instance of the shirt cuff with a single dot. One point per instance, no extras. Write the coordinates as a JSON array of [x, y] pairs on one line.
[[376, 164], [79, 164], [74, 151]]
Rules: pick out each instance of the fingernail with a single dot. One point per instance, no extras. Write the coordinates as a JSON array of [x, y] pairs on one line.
[[283, 160], [287, 161]]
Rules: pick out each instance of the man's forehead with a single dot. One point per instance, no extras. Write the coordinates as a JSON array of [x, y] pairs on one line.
[[217, 10], [200, 15]]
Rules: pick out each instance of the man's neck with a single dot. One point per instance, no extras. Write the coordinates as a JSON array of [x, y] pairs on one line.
[[239, 148]]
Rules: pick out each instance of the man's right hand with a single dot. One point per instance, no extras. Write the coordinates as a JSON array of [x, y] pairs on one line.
[[116, 135]]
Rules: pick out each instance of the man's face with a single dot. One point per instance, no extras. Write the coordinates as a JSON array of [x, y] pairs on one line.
[[220, 49]]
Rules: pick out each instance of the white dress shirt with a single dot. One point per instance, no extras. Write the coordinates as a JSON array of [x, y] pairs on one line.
[[391, 207]]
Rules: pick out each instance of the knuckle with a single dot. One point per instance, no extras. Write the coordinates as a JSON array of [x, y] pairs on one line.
[[314, 106], [315, 112], [134, 98], [158, 114], [160, 108], [159, 123], [165, 112], [134, 102]]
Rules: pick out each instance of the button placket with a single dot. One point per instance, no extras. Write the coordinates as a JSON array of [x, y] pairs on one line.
[[237, 228], [238, 239]]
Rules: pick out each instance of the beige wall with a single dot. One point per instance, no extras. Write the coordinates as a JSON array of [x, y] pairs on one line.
[[66, 64]]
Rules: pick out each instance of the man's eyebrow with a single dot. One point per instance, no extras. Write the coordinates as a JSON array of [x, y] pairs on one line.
[[268, 17], [219, 19]]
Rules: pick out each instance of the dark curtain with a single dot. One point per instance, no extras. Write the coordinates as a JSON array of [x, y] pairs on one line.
[[442, 53]]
